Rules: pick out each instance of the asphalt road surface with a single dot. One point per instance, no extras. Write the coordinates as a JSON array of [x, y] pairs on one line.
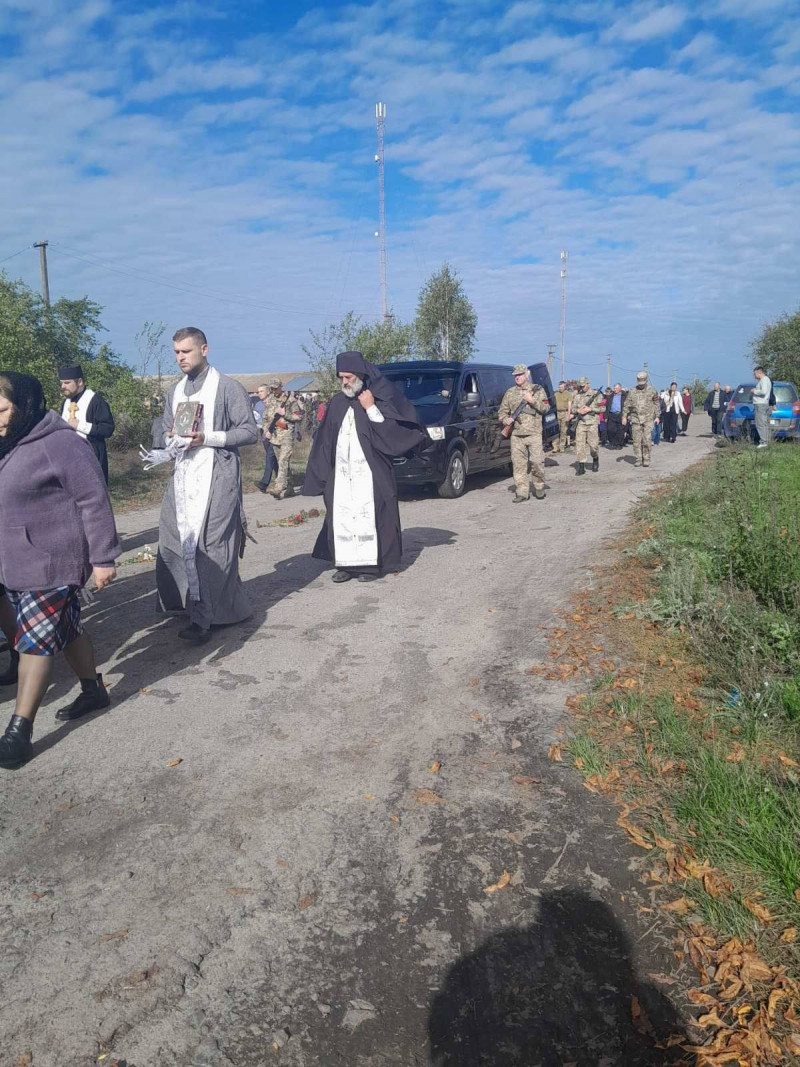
[[302, 888]]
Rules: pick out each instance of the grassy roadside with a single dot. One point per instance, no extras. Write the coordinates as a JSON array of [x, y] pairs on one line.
[[694, 728]]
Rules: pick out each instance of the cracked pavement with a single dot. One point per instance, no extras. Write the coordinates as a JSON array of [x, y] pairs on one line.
[[301, 889]]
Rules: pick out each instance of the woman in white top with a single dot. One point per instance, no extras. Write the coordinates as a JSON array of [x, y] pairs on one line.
[[673, 407]]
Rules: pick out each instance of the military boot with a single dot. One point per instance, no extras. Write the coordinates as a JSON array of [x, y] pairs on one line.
[[595, 463], [581, 468]]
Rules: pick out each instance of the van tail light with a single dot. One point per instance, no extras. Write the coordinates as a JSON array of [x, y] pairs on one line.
[[731, 406], [796, 407]]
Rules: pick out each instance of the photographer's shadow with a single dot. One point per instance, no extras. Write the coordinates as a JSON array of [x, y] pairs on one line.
[[561, 991]]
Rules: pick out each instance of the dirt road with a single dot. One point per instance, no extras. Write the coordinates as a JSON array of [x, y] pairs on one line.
[[306, 887]]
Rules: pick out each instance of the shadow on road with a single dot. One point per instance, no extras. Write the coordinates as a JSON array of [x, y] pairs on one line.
[[561, 991]]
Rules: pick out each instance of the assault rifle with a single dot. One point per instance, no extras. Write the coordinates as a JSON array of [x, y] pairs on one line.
[[515, 414], [276, 418], [586, 403]]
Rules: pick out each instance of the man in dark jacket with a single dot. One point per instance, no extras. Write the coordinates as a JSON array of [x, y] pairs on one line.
[[367, 424], [714, 404], [615, 432], [86, 412]]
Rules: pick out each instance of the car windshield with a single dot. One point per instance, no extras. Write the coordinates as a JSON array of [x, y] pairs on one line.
[[423, 387]]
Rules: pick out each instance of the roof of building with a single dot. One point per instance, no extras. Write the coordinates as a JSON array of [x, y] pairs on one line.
[[289, 379]]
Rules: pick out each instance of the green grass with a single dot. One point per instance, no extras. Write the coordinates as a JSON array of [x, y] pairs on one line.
[[724, 546]]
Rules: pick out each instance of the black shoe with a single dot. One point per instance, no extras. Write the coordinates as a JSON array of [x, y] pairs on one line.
[[595, 463], [194, 634], [517, 499], [581, 468], [341, 576], [9, 677], [369, 577], [539, 494], [261, 488], [93, 697], [15, 744]]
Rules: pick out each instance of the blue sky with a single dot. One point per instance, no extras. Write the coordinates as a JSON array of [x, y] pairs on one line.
[[213, 165]]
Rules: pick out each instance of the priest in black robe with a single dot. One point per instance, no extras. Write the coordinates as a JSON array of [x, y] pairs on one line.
[[86, 412], [367, 425]]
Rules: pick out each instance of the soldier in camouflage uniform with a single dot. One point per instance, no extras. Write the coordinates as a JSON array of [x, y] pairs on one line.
[[282, 437], [640, 410], [586, 405], [564, 398], [527, 449]]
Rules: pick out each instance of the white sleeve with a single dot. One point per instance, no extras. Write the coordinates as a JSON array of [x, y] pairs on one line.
[[374, 415], [215, 438]]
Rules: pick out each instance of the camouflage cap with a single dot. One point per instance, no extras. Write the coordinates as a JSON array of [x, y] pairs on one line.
[[583, 381], [641, 376], [275, 383], [520, 368]]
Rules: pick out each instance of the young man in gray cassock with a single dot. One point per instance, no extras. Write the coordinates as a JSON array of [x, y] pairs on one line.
[[202, 518]]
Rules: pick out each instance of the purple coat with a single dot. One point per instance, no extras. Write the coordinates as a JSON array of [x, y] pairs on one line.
[[56, 521]]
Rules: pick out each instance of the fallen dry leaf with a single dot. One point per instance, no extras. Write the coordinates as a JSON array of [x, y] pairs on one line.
[[501, 883], [435, 767], [306, 901], [395, 818], [116, 936], [25, 1059], [709, 1020], [704, 1000], [239, 891], [473, 682], [174, 762], [678, 907], [580, 762], [476, 716], [427, 796], [789, 934], [369, 796], [281, 863], [787, 761], [525, 779], [736, 754], [760, 912], [554, 753]]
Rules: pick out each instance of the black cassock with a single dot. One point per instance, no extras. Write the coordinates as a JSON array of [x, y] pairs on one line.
[[381, 442]]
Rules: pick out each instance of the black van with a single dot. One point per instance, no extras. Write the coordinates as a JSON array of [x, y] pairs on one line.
[[458, 404]]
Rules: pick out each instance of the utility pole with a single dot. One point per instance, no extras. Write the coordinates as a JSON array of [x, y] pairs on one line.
[[42, 246], [608, 370], [563, 313], [380, 117], [550, 360]]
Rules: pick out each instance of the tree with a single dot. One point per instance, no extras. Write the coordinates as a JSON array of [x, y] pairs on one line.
[[152, 352], [37, 340], [446, 321], [379, 342], [777, 348], [699, 387]]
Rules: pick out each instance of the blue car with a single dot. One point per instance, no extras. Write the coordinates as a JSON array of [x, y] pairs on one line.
[[784, 419]]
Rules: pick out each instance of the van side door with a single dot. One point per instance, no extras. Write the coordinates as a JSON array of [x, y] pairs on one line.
[[472, 420], [494, 382]]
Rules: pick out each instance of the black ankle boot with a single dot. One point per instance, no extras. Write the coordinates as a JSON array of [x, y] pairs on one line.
[[93, 697], [16, 747], [595, 463], [9, 677], [581, 468]]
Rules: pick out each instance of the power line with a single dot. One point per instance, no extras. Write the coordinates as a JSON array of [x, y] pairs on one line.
[[25, 249]]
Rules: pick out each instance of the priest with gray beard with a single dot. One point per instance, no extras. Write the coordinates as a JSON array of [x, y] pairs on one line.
[[367, 425]]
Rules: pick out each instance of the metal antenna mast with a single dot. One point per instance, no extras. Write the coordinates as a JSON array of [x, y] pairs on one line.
[[563, 312], [380, 116]]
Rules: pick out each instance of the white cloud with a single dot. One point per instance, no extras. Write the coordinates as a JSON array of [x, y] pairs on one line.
[[657, 23]]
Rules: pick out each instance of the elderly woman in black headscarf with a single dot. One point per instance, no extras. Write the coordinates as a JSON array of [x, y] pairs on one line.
[[57, 529], [367, 424]]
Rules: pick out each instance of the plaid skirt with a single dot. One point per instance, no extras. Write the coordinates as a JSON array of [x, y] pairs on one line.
[[47, 619]]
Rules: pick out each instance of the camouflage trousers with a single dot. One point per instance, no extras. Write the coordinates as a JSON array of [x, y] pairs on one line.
[[641, 444], [586, 434], [527, 459], [561, 443], [283, 454]]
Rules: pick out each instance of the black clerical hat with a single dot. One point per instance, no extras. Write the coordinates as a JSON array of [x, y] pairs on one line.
[[69, 374]]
